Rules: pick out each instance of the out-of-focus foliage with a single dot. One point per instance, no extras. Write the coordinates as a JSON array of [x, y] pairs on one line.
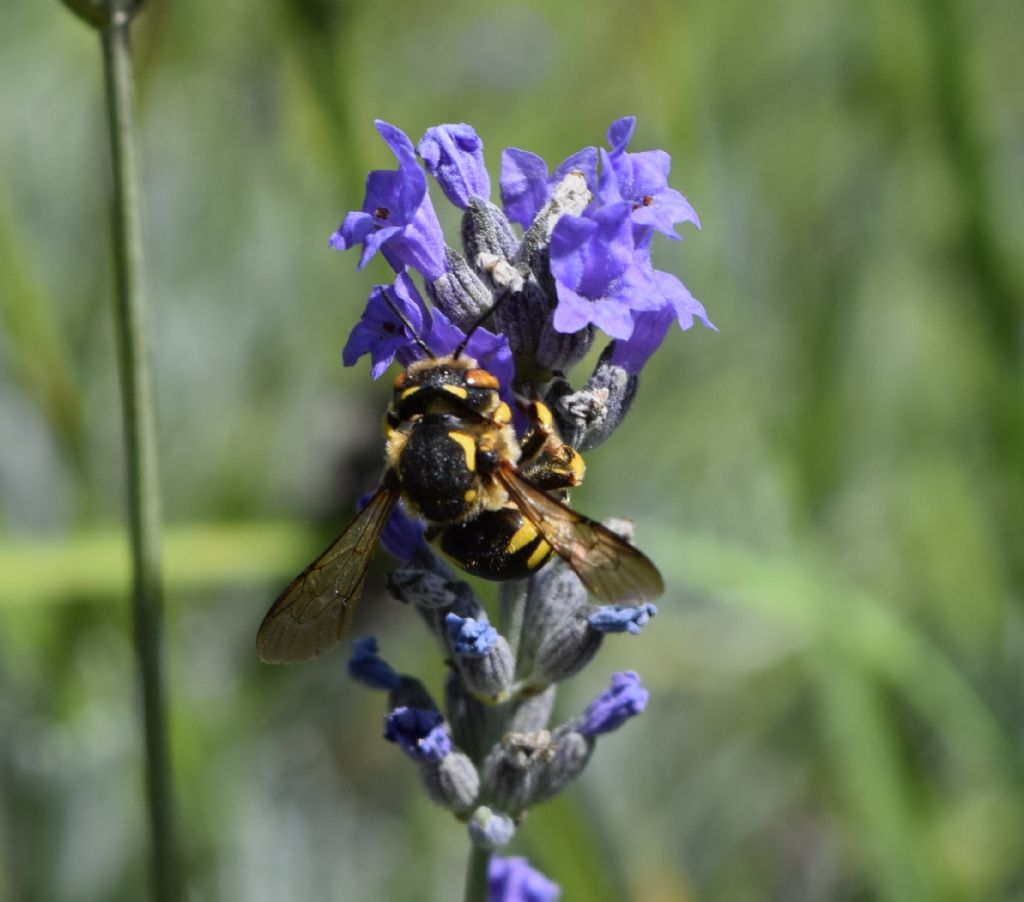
[[834, 484]]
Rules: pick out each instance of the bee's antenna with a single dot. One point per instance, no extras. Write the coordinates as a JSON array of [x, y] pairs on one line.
[[412, 331], [479, 322]]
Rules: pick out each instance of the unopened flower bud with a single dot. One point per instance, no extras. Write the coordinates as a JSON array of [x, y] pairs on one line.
[[587, 417], [484, 658], [570, 755], [459, 292], [467, 717], [489, 829], [512, 769], [486, 230], [534, 713], [452, 782], [454, 156]]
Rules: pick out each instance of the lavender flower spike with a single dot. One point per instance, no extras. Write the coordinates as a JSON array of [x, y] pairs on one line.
[[397, 217], [625, 698], [454, 156]]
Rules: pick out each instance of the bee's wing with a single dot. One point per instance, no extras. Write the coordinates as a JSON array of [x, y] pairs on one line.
[[612, 569], [313, 613]]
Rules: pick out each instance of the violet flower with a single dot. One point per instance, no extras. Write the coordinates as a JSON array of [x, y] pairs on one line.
[[397, 217]]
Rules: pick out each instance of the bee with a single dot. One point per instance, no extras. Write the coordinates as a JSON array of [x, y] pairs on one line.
[[494, 504]]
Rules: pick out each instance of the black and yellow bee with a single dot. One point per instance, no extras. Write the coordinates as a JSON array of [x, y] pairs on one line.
[[494, 505]]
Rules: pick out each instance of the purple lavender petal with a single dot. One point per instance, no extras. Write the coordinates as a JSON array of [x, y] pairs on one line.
[[513, 880], [649, 331], [470, 637], [421, 733], [381, 333], [368, 667], [620, 133], [453, 155], [684, 304], [524, 184], [397, 217], [617, 618], [625, 698]]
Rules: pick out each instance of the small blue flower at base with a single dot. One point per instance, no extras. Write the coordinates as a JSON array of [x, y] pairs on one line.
[[513, 880], [454, 156], [367, 667], [526, 185], [625, 698], [422, 734], [471, 638], [397, 216], [616, 618], [403, 535]]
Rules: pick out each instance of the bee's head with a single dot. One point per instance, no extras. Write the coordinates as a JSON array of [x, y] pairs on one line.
[[456, 385]]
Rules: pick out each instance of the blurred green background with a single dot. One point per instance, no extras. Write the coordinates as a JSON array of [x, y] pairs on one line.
[[833, 484]]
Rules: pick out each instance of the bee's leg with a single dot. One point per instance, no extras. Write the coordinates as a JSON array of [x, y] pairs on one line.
[[547, 461]]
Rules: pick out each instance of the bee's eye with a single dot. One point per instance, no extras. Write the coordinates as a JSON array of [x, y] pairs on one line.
[[481, 379]]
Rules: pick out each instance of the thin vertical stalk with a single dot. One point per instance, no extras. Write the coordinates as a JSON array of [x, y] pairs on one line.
[[140, 447], [477, 871]]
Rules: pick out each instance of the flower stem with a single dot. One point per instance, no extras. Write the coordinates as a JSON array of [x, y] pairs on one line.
[[477, 885], [140, 446]]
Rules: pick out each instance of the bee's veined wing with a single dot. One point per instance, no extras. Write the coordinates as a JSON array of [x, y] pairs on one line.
[[613, 570], [313, 613]]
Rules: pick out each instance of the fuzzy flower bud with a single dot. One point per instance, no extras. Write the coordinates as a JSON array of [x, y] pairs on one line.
[[467, 716], [452, 782], [557, 641], [512, 769], [570, 755], [490, 829], [486, 230], [533, 713], [454, 156], [459, 293], [484, 658]]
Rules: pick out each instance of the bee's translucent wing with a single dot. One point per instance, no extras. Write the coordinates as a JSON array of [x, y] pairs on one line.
[[613, 570], [313, 613]]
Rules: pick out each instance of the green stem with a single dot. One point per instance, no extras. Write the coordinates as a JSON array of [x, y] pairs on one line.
[[477, 869], [140, 445]]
